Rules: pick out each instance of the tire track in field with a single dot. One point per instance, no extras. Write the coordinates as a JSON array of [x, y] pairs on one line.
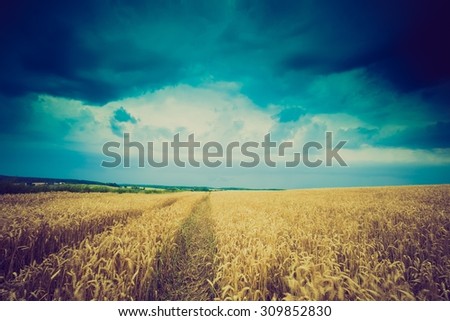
[[183, 271]]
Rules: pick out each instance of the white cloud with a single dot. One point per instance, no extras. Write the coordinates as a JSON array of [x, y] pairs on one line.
[[217, 113], [213, 112]]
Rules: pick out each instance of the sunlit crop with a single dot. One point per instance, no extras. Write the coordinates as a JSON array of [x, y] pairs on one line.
[[389, 243], [338, 244]]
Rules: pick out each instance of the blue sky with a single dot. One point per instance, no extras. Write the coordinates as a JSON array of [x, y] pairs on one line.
[[375, 73]]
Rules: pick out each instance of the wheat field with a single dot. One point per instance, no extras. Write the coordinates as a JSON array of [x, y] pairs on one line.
[[383, 243]]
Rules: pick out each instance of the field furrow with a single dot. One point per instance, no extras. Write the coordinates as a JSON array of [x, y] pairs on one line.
[[184, 269]]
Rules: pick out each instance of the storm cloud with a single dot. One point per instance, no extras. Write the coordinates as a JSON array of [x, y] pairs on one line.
[[375, 72]]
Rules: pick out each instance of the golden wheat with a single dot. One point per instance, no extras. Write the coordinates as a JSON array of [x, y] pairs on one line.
[[113, 265], [389, 243], [337, 244], [38, 225]]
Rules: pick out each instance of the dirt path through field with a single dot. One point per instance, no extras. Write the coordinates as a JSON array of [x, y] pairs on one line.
[[183, 271]]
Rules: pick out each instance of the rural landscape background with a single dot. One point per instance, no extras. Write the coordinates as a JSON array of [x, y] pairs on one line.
[[78, 76]]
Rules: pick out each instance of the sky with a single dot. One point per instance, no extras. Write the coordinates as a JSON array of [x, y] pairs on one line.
[[76, 75]]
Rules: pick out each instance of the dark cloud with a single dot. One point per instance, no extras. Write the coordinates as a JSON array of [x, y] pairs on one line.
[[347, 35], [281, 52], [325, 63], [421, 58], [119, 117], [439, 100], [356, 137], [98, 51], [405, 43], [290, 114], [15, 113], [436, 135], [77, 50], [122, 116]]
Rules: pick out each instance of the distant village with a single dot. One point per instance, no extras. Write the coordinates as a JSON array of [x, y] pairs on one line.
[[38, 183]]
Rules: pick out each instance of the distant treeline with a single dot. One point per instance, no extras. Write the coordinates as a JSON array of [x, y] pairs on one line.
[[14, 188], [17, 184], [50, 181]]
